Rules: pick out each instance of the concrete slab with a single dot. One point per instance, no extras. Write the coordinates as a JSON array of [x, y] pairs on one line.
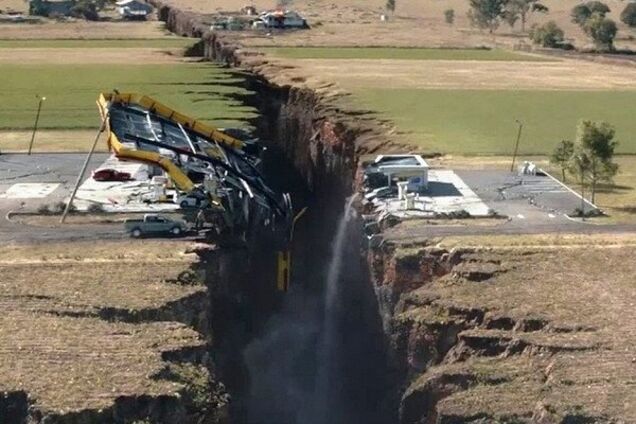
[[29, 190]]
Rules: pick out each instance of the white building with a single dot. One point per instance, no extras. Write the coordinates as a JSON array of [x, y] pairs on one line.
[[283, 19], [412, 169]]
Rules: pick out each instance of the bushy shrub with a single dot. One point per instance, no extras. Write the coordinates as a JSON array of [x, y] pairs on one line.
[[547, 35], [449, 16], [95, 208]]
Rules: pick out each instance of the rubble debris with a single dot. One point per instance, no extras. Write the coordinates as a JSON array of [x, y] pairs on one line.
[[210, 169], [404, 187]]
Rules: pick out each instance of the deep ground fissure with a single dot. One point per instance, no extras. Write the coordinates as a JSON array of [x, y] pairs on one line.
[[298, 357]]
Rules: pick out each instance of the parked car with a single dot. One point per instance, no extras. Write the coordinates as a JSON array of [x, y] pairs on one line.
[[153, 224], [111, 175]]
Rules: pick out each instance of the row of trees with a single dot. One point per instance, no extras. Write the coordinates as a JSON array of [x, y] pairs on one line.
[[591, 16], [590, 158]]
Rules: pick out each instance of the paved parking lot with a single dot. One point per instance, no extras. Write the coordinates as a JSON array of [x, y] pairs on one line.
[[26, 182], [533, 198]]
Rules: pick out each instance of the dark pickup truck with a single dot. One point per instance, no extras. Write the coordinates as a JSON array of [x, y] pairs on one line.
[[153, 224]]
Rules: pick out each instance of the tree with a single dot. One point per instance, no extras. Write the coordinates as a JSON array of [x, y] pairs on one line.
[[562, 156], [520, 9], [580, 166], [548, 35], [582, 12], [390, 6], [628, 15], [486, 13], [602, 30], [449, 16], [596, 145]]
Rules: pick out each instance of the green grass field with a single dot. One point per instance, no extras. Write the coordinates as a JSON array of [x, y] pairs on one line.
[[483, 121], [397, 53], [166, 42], [71, 91]]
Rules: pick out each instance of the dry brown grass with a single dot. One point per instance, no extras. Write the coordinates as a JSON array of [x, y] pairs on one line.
[[458, 74], [83, 29], [546, 242], [416, 22], [15, 5], [53, 343], [582, 360], [89, 56]]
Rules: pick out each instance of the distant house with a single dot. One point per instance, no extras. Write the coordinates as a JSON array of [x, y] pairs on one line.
[[51, 7], [283, 19], [133, 9]]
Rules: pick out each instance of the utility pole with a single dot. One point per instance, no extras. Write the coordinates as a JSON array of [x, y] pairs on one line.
[[582, 171], [37, 118], [514, 155], [81, 174]]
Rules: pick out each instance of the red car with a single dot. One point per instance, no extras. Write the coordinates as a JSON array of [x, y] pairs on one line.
[[110, 175]]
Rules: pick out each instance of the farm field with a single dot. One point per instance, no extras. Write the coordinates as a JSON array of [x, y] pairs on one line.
[[467, 101], [84, 30], [398, 53], [483, 121], [71, 92], [166, 42], [69, 115]]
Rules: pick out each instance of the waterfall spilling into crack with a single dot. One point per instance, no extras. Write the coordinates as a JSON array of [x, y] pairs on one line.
[[321, 358], [327, 396]]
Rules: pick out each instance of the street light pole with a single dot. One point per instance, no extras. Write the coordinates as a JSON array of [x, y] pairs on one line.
[[37, 118], [514, 155], [102, 128]]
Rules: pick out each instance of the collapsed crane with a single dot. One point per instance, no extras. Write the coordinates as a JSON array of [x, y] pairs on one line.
[[221, 171]]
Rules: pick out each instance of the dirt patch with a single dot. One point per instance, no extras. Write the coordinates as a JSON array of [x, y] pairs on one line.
[[14, 5], [458, 74], [88, 56], [83, 29]]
